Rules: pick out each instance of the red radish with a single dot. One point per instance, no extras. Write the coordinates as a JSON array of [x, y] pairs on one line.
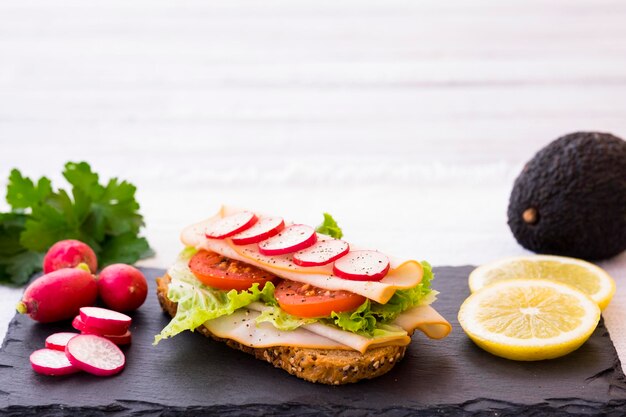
[[57, 341], [95, 354], [51, 362], [362, 265], [59, 295], [322, 253], [291, 239], [104, 321], [122, 287], [119, 340], [230, 225], [68, 254], [78, 324], [264, 228]]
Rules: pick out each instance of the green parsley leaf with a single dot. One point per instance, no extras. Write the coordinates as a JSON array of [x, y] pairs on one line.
[[17, 264], [126, 248], [50, 223], [21, 266], [119, 208], [81, 177], [104, 216], [22, 193], [329, 227]]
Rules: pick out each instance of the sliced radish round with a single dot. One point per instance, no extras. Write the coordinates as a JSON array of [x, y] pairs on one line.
[[51, 362], [289, 240], [264, 228], [78, 324], [104, 321], [230, 225], [95, 354], [362, 265], [57, 341], [119, 340], [321, 253]]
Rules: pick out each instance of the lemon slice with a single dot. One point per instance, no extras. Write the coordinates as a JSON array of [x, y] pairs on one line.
[[586, 277], [529, 319]]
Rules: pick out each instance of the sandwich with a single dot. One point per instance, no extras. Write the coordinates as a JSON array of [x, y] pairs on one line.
[[318, 307]]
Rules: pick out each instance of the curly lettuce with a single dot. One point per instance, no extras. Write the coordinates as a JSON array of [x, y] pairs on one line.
[[198, 303], [330, 227], [365, 319], [282, 320]]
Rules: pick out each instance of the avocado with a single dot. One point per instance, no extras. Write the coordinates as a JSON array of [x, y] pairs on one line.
[[570, 198]]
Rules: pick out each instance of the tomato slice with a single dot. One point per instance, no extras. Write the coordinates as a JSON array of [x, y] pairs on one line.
[[305, 300], [220, 272]]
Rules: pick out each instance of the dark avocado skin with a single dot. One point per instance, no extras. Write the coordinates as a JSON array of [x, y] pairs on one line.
[[577, 184]]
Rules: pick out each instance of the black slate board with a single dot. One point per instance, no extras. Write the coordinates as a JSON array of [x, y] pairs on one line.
[[192, 375]]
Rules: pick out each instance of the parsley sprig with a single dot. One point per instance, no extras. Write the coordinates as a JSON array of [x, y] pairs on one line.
[[105, 216]]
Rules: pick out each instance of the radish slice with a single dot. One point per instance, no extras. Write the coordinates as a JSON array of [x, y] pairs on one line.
[[95, 354], [291, 239], [119, 340], [104, 321], [57, 341], [264, 228], [51, 362], [78, 324], [362, 265], [230, 225], [322, 253]]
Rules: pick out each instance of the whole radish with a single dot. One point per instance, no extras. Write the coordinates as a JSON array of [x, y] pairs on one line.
[[122, 287], [68, 254], [59, 295]]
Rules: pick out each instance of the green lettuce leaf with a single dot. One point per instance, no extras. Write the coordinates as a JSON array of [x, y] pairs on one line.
[[366, 319], [330, 227], [282, 320], [198, 303], [360, 320]]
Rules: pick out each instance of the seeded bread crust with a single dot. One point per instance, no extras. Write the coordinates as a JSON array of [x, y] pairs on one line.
[[324, 366]]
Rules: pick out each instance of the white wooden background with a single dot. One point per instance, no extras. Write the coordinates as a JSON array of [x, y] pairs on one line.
[[407, 120]]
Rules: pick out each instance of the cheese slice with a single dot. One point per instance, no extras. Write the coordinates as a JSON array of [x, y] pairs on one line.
[[402, 275], [347, 339], [241, 326], [425, 319]]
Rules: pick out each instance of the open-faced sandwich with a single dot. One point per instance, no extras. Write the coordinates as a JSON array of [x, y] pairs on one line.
[[311, 304]]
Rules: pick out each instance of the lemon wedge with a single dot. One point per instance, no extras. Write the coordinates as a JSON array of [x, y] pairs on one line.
[[586, 277], [529, 319]]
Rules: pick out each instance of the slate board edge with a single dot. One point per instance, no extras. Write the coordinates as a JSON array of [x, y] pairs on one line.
[[556, 407]]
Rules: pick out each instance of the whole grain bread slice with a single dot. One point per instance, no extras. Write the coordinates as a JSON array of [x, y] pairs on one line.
[[325, 366]]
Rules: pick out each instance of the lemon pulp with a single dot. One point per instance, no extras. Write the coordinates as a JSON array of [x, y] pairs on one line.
[[529, 319]]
